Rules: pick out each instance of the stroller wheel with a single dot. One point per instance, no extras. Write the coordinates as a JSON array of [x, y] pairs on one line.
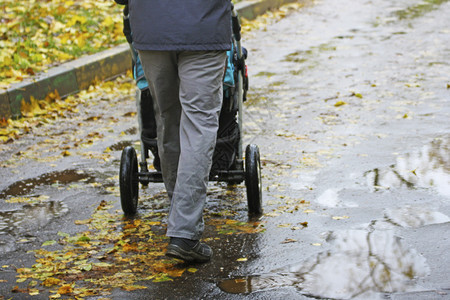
[[128, 181], [253, 179]]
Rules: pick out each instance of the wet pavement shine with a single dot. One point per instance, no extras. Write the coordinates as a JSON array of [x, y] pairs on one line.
[[349, 105]]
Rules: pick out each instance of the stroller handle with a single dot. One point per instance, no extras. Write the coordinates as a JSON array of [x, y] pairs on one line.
[[237, 37], [236, 25]]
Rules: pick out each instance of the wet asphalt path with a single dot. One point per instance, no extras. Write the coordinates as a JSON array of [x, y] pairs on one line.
[[351, 110], [349, 104]]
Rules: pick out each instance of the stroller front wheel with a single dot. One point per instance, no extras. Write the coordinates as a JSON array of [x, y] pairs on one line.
[[253, 179], [128, 181]]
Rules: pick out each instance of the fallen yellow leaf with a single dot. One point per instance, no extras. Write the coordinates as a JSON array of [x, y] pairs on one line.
[[65, 289], [340, 218], [287, 241], [51, 281], [340, 103]]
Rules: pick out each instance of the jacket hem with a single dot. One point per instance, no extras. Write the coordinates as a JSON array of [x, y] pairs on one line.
[[203, 47]]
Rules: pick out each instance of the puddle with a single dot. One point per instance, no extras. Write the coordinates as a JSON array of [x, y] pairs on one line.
[[414, 216], [24, 187], [23, 225], [7, 244], [428, 167], [359, 264], [330, 198], [30, 217]]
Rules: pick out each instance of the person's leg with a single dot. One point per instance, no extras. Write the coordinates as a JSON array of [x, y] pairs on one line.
[[161, 71], [201, 78]]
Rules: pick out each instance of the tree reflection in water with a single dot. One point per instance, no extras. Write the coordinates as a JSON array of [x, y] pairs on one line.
[[359, 263], [427, 168]]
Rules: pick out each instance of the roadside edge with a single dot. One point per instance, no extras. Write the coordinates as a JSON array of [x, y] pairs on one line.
[[71, 77]]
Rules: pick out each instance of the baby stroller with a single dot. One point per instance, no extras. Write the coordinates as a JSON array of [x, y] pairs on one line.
[[228, 163]]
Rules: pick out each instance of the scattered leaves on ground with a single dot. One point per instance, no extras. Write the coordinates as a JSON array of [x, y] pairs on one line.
[[36, 35], [269, 17], [52, 109], [228, 226], [114, 252]]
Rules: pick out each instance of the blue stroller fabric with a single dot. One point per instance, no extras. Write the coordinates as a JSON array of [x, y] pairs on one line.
[[138, 72], [228, 80]]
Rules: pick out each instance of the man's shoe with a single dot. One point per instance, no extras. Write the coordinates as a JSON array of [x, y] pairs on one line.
[[182, 249]]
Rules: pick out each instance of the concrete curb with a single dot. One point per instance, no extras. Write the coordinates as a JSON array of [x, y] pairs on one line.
[[79, 74]]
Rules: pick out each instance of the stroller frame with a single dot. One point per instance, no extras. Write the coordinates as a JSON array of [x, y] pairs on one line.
[[248, 170]]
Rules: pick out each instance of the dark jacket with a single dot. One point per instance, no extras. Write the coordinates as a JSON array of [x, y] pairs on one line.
[[177, 25]]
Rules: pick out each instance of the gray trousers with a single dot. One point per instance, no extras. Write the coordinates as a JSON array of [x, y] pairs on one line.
[[187, 90]]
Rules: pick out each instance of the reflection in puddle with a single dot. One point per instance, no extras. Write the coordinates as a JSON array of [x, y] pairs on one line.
[[7, 243], [30, 217], [24, 187], [360, 263], [27, 221], [22, 225], [330, 198], [427, 168], [415, 216]]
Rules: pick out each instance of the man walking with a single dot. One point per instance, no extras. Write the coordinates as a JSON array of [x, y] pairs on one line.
[[182, 46]]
